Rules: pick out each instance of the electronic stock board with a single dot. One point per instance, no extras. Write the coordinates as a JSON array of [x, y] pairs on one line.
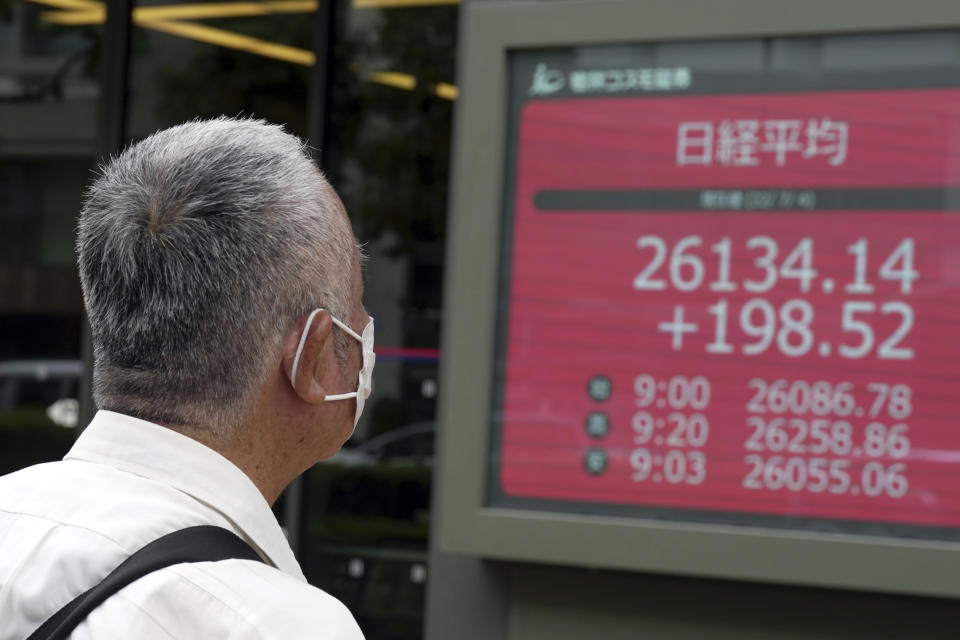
[[729, 287], [739, 301]]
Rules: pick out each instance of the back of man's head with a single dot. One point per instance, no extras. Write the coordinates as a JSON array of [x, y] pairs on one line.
[[199, 247]]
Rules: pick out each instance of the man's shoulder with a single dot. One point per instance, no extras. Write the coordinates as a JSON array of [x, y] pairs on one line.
[[250, 598], [271, 595], [124, 508], [32, 473]]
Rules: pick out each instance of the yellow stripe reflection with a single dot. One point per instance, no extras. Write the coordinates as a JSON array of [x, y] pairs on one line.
[[230, 10], [187, 11], [76, 18], [232, 40], [160, 18], [70, 4], [393, 79], [407, 82], [446, 90], [87, 12]]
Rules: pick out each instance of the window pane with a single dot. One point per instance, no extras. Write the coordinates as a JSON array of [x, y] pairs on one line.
[[234, 63], [368, 509], [49, 97]]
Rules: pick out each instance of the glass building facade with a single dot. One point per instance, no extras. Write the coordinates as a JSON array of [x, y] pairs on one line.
[[370, 85]]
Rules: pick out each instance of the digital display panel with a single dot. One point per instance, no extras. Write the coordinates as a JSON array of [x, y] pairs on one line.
[[731, 296]]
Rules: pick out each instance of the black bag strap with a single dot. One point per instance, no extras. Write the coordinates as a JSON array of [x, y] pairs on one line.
[[194, 544]]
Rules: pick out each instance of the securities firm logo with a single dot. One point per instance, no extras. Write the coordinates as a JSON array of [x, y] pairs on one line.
[[547, 81]]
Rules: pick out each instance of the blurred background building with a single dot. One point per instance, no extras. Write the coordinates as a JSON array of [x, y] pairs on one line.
[[377, 110]]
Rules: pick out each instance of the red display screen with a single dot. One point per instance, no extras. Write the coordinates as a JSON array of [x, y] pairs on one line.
[[742, 303]]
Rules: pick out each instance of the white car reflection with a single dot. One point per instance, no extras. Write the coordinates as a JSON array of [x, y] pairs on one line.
[[53, 384], [411, 444]]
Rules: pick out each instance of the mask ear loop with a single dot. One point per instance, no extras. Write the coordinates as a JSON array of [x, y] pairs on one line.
[[350, 332], [353, 334], [303, 340]]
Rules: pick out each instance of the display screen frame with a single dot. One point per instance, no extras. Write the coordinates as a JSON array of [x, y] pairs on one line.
[[491, 31]]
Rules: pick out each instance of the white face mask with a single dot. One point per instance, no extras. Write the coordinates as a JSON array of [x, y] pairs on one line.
[[365, 383]]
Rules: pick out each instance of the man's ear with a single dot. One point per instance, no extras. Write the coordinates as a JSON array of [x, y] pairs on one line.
[[317, 347]]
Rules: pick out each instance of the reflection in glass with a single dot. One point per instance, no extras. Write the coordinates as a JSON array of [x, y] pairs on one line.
[[48, 101], [368, 509]]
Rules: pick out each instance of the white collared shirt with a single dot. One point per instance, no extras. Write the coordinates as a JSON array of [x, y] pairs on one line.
[[65, 525]]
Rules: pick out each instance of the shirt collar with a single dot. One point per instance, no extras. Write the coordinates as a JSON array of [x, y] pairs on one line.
[[158, 453]]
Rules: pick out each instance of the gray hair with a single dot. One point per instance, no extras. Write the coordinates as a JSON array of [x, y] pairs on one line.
[[199, 248]]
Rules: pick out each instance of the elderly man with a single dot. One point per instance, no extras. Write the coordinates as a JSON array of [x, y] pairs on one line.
[[223, 287]]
